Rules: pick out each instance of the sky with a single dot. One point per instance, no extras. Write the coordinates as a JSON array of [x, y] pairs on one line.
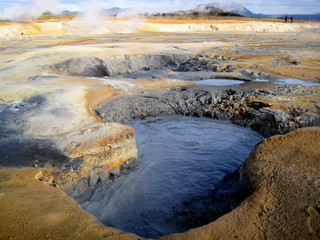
[[256, 6]]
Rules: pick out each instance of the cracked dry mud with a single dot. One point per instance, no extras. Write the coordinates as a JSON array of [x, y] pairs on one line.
[[61, 94]]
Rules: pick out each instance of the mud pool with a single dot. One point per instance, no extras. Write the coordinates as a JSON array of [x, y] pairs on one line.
[[180, 159], [219, 82], [291, 81], [230, 82]]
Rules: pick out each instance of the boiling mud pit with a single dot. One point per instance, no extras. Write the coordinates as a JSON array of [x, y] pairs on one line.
[[180, 159]]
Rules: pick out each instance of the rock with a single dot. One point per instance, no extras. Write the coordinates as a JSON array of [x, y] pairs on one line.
[[255, 75], [94, 153], [250, 74], [264, 75], [247, 72], [46, 177], [295, 62], [208, 62], [39, 176]]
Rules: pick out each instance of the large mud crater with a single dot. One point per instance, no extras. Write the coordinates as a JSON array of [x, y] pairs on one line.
[[181, 160]]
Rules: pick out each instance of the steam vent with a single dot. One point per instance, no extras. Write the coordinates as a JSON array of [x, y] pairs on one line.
[[146, 120]]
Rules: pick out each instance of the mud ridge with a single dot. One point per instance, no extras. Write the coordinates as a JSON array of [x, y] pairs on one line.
[[98, 67], [242, 107]]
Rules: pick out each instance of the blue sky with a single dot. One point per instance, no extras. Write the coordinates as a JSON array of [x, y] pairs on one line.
[[256, 6]]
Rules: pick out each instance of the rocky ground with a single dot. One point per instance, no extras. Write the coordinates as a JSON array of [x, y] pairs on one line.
[[64, 95]]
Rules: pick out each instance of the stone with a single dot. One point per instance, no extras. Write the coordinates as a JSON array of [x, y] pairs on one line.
[[247, 72], [295, 62], [264, 75], [39, 176]]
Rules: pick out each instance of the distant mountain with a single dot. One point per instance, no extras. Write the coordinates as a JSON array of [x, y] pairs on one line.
[[229, 7], [67, 11], [108, 11], [114, 11]]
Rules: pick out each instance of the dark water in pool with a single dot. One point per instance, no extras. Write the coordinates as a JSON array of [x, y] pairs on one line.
[[180, 158]]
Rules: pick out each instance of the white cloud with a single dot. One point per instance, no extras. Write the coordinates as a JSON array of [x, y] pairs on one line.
[[281, 7], [70, 7]]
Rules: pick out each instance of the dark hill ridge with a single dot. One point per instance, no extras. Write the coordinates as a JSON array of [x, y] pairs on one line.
[[200, 11], [238, 8], [229, 7]]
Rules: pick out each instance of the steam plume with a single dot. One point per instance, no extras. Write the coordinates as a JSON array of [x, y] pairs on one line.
[[28, 10], [92, 13]]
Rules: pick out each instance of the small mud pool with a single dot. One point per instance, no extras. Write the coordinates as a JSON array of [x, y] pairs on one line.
[[219, 82], [180, 159], [292, 81]]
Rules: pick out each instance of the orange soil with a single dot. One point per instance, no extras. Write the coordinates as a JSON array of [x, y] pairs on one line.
[[7, 23], [30, 210], [9, 53], [97, 96], [52, 20], [71, 41], [189, 21]]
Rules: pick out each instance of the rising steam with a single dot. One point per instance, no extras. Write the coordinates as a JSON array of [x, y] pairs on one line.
[[92, 14], [28, 10]]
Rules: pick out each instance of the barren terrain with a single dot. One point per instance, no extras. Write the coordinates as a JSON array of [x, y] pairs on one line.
[[68, 88]]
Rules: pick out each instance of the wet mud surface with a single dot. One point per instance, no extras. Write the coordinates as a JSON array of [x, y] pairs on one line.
[[176, 177]]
